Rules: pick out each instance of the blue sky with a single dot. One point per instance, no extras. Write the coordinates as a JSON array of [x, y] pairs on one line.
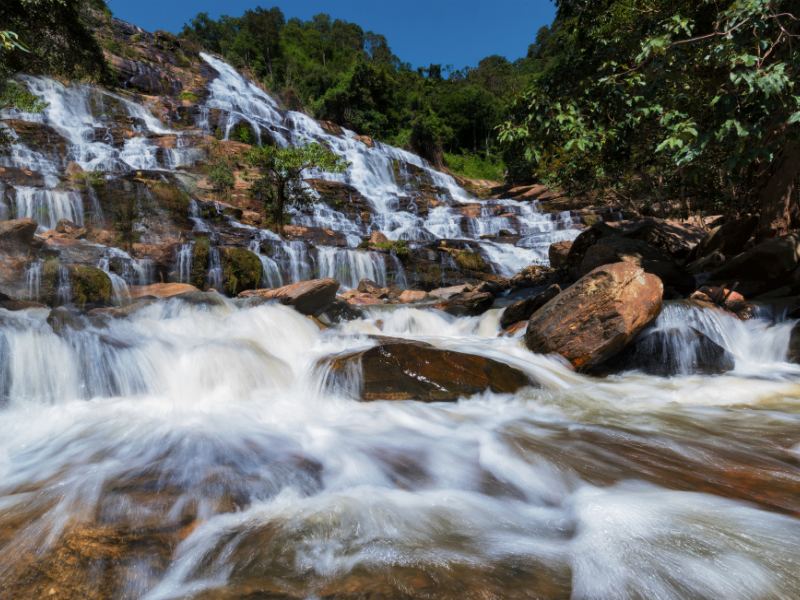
[[448, 32]]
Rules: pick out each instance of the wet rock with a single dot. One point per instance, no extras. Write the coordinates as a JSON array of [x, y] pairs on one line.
[[522, 310], [339, 311], [161, 290], [307, 297], [377, 238], [720, 296], [594, 319], [16, 235], [669, 352], [70, 229], [367, 286], [87, 286], [206, 299], [558, 253], [61, 319], [402, 370], [448, 292], [467, 303]]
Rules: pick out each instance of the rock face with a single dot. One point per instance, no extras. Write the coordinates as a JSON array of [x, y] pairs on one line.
[[16, 235], [310, 297], [594, 319], [794, 345], [670, 352], [764, 266], [522, 310], [401, 370]]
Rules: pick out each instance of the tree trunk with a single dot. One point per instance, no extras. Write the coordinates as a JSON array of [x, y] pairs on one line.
[[777, 201]]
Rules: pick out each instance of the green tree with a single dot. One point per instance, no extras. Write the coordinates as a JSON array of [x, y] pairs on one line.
[[280, 181], [681, 104]]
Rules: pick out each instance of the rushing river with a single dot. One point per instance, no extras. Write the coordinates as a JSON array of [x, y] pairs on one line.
[[191, 451]]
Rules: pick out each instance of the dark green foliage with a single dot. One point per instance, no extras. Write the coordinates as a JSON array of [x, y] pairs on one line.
[[57, 35], [280, 182], [15, 95], [675, 105], [346, 75], [241, 270]]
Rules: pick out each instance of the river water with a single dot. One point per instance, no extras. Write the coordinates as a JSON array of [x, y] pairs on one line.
[[191, 451]]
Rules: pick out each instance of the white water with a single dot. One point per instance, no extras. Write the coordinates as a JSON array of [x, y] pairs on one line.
[[218, 415], [48, 207], [380, 174]]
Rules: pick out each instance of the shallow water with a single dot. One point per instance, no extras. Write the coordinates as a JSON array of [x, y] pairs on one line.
[[193, 452]]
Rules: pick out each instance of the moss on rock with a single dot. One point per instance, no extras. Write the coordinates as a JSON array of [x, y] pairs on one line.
[[241, 270], [200, 254], [89, 286], [470, 261]]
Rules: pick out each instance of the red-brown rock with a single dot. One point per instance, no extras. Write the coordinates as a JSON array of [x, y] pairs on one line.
[[402, 370], [307, 297], [595, 318]]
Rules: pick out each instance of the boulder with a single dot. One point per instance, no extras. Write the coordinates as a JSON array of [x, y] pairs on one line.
[[367, 286], [669, 352], [762, 267], [616, 248], [161, 290], [309, 297], [522, 310], [594, 319], [532, 276], [402, 370], [378, 238], [728, 239], [16, 236], [467, 304], [558, 253], [728, 299]]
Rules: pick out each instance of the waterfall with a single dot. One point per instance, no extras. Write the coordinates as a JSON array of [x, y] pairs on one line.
[[214, 276], [351, 266], [754, 343], [63, 286], [185, 252], [380, 173], [270, 272], [33, 279], [48, 207], [119, 286]]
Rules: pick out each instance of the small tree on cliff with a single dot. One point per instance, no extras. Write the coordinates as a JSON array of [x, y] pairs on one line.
[[280, 183]]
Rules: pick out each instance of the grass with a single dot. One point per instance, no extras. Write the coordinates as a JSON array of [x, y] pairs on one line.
[[475, 166]]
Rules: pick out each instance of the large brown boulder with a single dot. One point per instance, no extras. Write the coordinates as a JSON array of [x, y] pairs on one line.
[[763, 267], [16, 236], [402, 370], [598, 316], [310, 297]]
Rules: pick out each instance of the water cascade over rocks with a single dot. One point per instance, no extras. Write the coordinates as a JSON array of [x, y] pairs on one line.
[[203, 447]]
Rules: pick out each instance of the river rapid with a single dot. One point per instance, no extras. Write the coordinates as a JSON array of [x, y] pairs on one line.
[[193, 451]]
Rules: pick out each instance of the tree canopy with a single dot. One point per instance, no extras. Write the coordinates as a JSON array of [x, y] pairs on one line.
[[677, 104]]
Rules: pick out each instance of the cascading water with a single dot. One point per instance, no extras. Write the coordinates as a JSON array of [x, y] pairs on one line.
[[214, 276], [48, 207], [63, 286], [119, 286], [380, 174], [191, 450], [351, 266], [185, 253], [33, 279]]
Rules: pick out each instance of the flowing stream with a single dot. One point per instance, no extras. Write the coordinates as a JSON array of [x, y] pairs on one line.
[[192, 451]]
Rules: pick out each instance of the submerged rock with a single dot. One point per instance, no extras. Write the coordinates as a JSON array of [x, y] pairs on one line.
[[594, 319], [403, 370], [668, 352], [310, 297]]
